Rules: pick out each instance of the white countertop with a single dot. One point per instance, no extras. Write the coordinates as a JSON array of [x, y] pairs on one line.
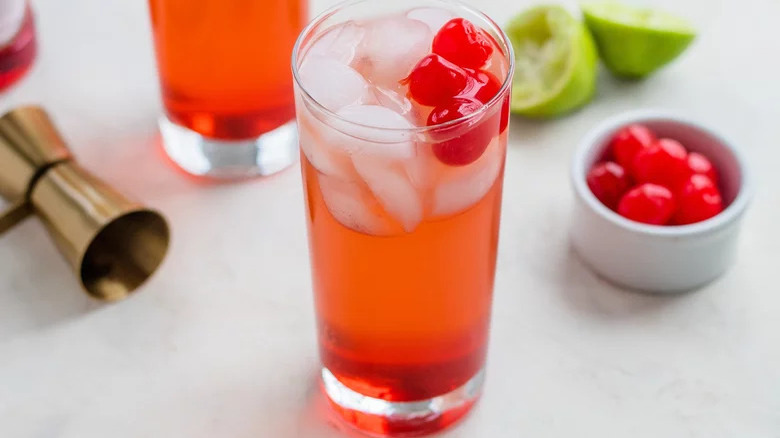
[[221, 342]]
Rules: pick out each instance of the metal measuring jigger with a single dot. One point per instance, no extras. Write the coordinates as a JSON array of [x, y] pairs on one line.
[[112, 243]]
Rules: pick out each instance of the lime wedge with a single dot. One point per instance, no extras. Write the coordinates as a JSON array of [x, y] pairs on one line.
[[634, 42], [555, 62]]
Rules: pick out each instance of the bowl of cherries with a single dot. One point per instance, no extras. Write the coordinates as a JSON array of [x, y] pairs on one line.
[[659, 201]]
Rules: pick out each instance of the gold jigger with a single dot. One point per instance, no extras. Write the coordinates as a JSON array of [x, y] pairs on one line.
[[112, 243]]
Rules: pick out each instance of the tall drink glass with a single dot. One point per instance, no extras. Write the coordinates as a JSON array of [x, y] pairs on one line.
[[226, 83], [402, 214]]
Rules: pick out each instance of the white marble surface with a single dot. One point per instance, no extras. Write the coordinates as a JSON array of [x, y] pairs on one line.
[[221, 342]]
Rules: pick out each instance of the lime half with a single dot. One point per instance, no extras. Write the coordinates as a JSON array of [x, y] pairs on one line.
[[634, 42], [555, 62]]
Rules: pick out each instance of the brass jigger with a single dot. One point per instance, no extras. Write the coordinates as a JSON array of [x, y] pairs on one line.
[[112, 243]]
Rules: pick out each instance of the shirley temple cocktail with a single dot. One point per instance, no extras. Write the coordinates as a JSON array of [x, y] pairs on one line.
[[402, 114], [226, 84]]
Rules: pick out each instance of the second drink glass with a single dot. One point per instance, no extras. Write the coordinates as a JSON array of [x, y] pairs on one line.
[[226, 83]]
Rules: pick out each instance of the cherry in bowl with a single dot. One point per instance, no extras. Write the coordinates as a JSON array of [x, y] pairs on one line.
[[691, 246]]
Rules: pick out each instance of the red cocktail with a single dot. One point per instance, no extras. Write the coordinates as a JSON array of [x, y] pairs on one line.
[[225, 78], [403, 143]]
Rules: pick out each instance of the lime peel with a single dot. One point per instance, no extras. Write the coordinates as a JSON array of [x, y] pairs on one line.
[[634, 42], [555, 69]]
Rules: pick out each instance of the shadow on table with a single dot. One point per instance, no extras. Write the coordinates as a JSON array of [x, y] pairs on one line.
[[531, 133], [38, 289], [586, 292], [318, 419]]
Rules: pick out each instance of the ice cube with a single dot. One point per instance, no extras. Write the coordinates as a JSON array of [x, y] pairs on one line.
[[340, 42], [392, 47], [393, 142], [325, 157], [354, 207], [464, 186], [333, 84], [393, 99], [423, 168], [391, 186], [433, 17]]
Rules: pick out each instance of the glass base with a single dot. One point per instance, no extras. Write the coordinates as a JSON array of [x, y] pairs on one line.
[[230, 159], [383, 418]]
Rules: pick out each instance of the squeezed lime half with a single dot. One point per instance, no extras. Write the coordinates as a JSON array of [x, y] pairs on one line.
[[555, 62], [634, 42]]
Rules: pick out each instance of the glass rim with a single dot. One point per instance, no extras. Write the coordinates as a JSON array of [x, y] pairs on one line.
[[496, 99]]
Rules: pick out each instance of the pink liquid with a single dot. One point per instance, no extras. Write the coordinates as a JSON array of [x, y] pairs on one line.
[[225, 65], [17, 55]]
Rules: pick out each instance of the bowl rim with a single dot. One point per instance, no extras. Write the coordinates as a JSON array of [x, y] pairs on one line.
[[611, 124]]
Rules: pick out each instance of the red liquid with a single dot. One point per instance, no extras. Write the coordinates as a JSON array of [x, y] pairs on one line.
[[17, 56], [404, 317], [225, 65]]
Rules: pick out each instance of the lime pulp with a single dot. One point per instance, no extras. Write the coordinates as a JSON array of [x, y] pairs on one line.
[[555, 68]]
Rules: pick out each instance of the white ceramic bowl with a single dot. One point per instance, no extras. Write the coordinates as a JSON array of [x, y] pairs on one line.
[[650, 257]]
